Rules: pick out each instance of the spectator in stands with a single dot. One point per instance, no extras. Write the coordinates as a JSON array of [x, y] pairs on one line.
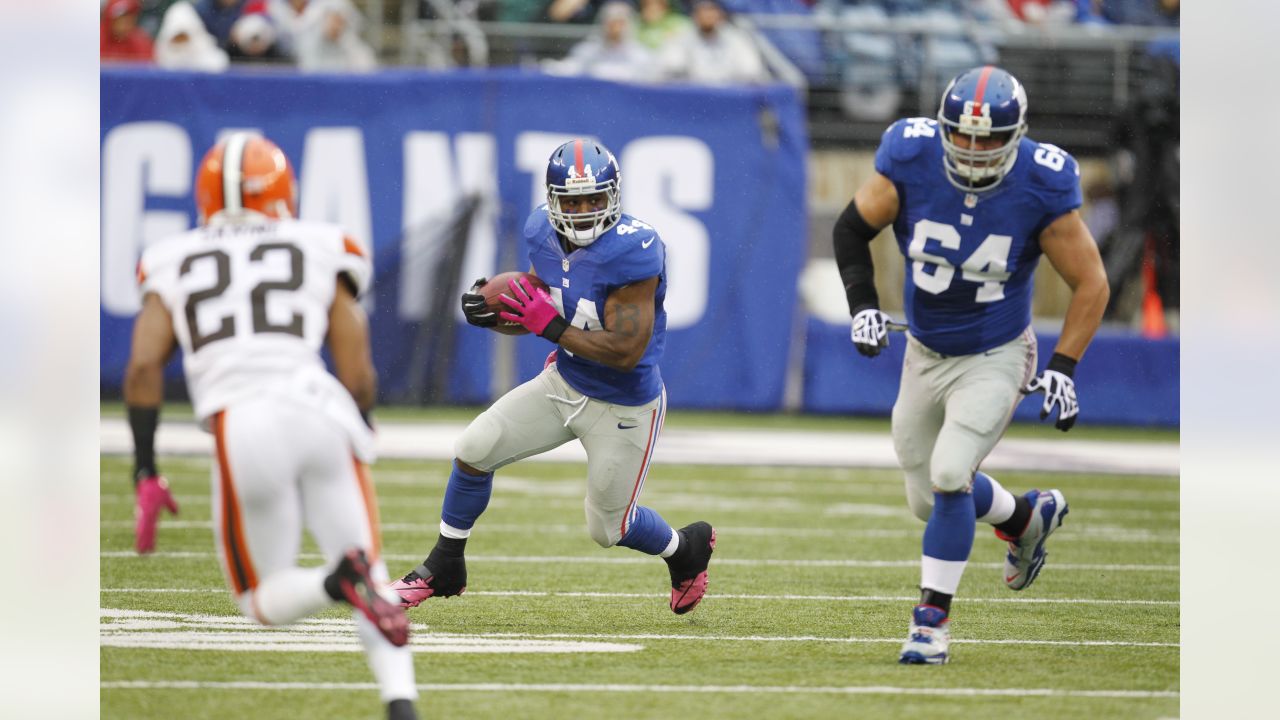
[[329, 39], [153, 12], [659, 22], [253, 40], [612, 51], [520, 10], [1044, 12], [288, 16], [713, 51], [122, 39], [218, 17], [184, 43], [574, 11], [1160, 13]]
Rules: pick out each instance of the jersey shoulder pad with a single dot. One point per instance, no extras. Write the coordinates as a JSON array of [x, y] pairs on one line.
[[350, 256], [907, 137], [1052, 168], [159, 256], [903, 142], [537, 223], [639, 252]]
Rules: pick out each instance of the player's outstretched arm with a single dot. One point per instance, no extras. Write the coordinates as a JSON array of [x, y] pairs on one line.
[[1072, 251], [348, 342], [873, 206], [628, 325]]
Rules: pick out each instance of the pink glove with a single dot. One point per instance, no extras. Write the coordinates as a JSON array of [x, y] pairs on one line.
[[534, 310], [152, 495]]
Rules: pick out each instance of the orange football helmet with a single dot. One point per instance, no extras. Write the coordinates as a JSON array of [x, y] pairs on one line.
[[245, 172]]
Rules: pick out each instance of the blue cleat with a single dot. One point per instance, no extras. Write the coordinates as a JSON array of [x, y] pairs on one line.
[[1026, 552], [929, 637]]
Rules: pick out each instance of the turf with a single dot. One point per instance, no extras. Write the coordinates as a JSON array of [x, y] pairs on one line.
[[833, 549]]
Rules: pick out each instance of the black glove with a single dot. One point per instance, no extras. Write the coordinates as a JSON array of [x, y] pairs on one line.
[[1059, 390], [475, 309]]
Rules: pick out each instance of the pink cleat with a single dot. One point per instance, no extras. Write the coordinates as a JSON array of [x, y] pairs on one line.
[[689, 567], [362, 594], [151, 494], [422, 582]]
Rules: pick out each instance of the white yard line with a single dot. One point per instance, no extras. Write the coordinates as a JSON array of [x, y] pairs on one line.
[[619, 688], [435, 441], [1078, 533], [724, 596], [634, 560]]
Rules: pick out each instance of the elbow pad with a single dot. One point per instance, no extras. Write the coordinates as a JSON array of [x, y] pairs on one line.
[[852, 238]]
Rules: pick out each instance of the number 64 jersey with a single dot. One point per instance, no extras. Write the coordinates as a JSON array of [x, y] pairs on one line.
[[250, 305], [971, 256]]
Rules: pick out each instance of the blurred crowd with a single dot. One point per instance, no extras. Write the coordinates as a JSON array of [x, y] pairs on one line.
[[209, 35]]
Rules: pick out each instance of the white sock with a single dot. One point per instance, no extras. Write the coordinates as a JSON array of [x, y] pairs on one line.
[[392, 666], [941, 575], [287, 595], [452, 532], [673, 545], [1002, 504]]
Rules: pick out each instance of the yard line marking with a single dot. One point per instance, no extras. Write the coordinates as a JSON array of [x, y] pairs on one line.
[[589, 560], [620, 688], [1079, 533], [729, 596], [198, 630]]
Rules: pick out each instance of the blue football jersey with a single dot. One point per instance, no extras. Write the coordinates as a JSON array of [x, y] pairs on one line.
[[581, 281], [971, 256]]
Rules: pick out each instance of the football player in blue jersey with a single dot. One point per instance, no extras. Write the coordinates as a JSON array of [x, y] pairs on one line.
[[973, 203], [606, 272]]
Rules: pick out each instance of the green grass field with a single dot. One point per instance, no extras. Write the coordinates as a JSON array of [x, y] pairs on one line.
[[811, 586]]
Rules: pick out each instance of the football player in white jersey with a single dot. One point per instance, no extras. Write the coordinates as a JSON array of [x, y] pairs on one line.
[[250, 296], [974, 203]]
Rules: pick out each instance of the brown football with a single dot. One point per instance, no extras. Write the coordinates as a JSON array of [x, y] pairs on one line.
[[496, 286]]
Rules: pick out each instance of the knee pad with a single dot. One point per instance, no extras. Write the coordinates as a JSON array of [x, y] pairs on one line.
[[950, 479], [604, 527], [476, 442]]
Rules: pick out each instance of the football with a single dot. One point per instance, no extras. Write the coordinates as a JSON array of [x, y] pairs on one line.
[[497, 286]]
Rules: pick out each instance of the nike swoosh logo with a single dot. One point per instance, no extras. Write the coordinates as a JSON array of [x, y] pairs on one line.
[[647, 243], [1011, 578], [626, 427]]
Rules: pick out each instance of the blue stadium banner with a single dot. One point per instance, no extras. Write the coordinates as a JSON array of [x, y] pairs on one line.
[[411, 161]]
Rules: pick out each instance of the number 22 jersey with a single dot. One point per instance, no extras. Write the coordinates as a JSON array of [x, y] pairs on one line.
[[250, 306], [971, 256]]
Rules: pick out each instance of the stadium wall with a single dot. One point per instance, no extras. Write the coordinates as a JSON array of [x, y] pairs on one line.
[[394, 157]]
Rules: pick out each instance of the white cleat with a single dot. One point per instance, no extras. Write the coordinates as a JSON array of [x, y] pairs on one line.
[[1026, 552], [929, 640]]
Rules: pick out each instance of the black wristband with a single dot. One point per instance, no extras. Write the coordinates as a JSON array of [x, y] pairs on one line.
[[1063, 364], [143, 422], [555, 329]]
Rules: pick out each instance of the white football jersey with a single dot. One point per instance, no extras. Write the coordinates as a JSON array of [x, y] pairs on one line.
[[250, 305]]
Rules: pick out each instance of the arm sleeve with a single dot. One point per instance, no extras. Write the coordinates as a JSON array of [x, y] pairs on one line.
[[852, 238]]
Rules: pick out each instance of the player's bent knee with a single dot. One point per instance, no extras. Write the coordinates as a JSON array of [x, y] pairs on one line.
[[951, 480], [476, 443], [604, 528]]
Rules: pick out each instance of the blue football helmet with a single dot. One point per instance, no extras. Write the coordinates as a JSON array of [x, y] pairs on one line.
[[583, 167], [981, 103]]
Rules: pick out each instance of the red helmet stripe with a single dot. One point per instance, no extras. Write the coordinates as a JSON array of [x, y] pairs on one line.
[[982, 89], [577, 157]]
